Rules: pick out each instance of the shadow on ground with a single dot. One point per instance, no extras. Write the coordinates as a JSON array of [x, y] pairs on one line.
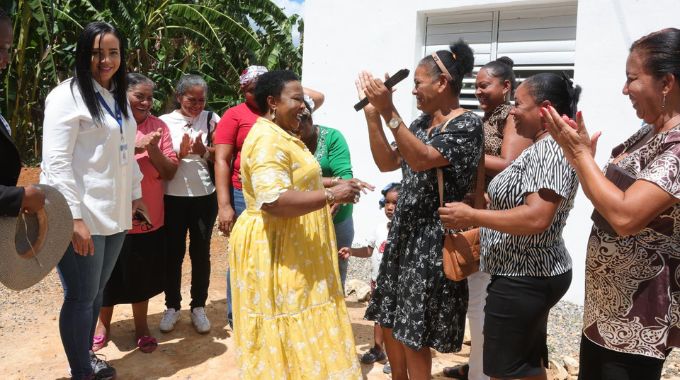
[[179, 349]]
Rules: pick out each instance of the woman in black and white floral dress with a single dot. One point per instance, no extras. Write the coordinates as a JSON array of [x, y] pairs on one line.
[[417, 306], [521, 236]]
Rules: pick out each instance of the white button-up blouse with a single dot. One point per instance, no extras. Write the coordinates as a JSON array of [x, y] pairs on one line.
[[82, 159]]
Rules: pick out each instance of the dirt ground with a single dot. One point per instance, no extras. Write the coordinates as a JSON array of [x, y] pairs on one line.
[[30, 347]]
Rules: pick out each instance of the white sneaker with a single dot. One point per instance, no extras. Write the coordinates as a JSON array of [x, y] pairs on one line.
[[200, 320], [170, 317]]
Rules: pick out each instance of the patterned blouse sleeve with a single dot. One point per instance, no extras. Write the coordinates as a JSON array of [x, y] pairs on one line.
[[461, 144], [664, 170], [547, 168], [270, 169]]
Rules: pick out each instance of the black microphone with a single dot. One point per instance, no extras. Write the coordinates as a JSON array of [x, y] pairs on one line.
[[389, 83]]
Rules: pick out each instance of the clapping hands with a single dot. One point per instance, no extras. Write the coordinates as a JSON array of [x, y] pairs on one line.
[[192, 146], [148, 141], [570, 134]]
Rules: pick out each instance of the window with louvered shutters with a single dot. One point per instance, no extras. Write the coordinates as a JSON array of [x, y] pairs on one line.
[[538, 39]]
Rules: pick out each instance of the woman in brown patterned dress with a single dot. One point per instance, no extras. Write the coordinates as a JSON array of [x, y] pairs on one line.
[[495, 85], [632, 318]]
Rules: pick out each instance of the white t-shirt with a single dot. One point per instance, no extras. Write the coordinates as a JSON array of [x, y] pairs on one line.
[[377, 241], [192, 178]]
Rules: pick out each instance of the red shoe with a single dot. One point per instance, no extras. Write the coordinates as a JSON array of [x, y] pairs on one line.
[[99, 342], [147, 344]]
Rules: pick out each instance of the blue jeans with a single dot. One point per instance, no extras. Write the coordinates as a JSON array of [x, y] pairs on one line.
[[84, 279], [344, 235], [239, 206], [238, 201]]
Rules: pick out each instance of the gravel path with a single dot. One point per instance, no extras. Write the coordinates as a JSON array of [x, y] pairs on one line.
[[564, 325], [37, 309]]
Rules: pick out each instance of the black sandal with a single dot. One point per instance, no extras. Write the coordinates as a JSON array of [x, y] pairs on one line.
[[460, 371], [373, 355]]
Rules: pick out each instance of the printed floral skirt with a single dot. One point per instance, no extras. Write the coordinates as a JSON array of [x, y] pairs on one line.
[[413, 297]]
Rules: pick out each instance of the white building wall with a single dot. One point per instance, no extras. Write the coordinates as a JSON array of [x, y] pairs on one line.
[[344, 37]]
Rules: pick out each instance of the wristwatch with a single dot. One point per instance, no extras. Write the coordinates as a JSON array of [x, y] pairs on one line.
[[394, 122]]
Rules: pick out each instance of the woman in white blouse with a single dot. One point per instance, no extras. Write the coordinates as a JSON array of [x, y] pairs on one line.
[[88, 154], [190, 201]]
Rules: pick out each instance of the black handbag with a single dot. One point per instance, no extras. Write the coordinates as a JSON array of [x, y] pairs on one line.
[[210, 163]]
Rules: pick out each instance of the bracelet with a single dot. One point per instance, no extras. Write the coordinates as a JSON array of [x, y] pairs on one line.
[[335, 181], [330, 197]]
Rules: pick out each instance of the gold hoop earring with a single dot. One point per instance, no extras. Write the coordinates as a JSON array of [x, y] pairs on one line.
[[663, 102]]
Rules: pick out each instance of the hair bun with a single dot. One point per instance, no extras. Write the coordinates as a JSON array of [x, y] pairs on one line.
[[506, 61], [464, 55]]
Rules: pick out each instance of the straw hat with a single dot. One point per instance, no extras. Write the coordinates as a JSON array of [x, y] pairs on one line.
[[31, 245]]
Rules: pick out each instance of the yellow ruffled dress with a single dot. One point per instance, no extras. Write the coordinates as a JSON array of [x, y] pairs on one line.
[[290, 318]]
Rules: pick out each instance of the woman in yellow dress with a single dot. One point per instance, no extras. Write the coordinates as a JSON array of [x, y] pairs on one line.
[[290, 318]]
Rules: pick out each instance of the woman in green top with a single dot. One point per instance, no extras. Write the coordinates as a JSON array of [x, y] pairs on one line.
[[330, 149]]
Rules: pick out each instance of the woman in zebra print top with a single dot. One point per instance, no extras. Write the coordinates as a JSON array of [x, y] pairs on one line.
[[521, 235]]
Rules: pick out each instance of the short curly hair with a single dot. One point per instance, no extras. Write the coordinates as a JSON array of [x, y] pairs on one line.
[[271, 84]]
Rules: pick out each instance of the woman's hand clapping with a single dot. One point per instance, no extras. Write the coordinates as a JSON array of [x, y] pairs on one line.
[[379, 96], [571, 135], [197, 146], [148, 141], [184, 146]]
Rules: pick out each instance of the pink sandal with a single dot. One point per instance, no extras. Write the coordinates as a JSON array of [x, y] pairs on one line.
[[147, 344], [99, 342]]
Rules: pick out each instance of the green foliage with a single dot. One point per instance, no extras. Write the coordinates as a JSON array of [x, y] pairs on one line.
[[165, 38]]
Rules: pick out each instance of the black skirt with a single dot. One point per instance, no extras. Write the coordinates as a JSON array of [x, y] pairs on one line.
[[139, 273], [516, 323]]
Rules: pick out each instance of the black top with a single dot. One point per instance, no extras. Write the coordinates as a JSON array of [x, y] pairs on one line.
[[10, 195]]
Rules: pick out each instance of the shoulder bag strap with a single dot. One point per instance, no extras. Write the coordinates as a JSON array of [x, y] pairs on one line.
[[479, 185], [210, 130], [440, 172], [440, 185], [479, 180]]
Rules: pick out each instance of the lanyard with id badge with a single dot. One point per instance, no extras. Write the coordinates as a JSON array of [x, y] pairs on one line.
[[123, 149]]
